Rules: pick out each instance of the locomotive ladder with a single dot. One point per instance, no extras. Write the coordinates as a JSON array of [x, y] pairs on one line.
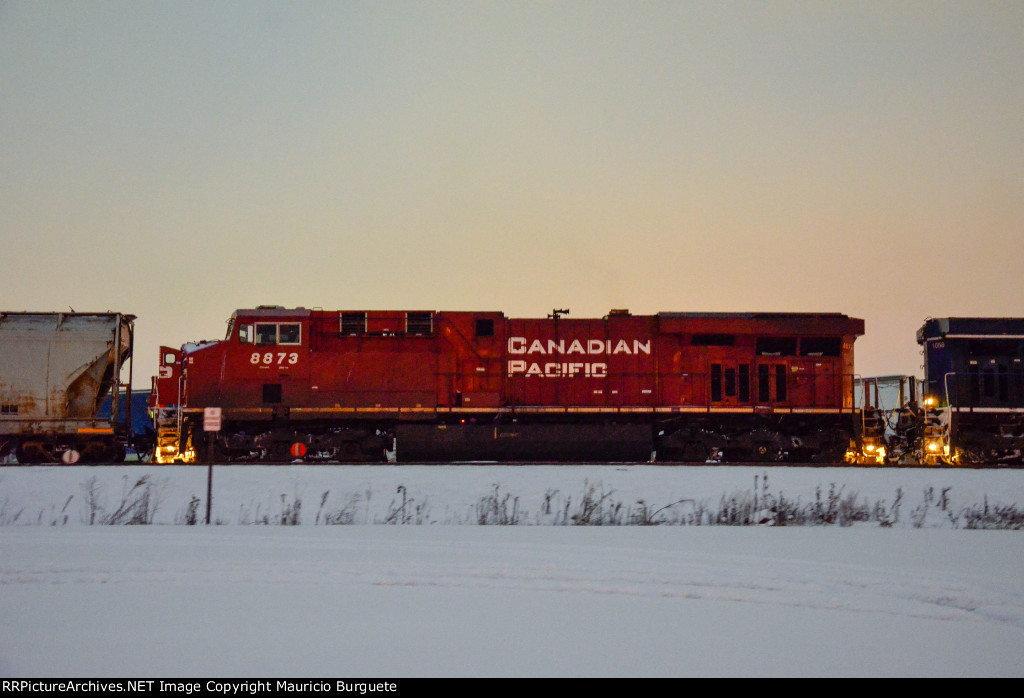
[[168, 430], [167, 438]]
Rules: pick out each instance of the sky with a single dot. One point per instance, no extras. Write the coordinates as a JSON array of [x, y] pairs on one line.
[[451, 598], [179, 160]]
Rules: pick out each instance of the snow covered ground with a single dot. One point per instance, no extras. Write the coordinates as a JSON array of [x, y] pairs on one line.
[[906, 591]]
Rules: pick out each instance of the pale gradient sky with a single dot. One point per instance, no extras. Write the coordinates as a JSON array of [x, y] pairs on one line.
[[178, 160]]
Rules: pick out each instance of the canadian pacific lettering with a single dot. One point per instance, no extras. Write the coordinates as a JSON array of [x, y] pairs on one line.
[[521, 346], [558, 370]]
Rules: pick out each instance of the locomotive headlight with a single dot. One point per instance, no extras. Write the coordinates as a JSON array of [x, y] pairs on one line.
[[873, 453], [933, 446]]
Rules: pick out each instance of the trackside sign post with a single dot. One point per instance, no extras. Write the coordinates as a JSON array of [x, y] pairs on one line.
[[211, 419], [211, 422]]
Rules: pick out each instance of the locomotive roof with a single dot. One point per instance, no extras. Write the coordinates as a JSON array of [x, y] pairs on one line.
[[764, 322], [967, 327], [280, 311], [767, 323], [755, 316], [271, 311]]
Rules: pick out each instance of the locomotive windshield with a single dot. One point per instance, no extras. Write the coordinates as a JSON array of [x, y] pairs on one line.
[[278, 333]]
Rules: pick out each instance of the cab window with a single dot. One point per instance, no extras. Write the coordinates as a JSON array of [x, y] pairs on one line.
[[289, 333], [278, 333], [266, 333]]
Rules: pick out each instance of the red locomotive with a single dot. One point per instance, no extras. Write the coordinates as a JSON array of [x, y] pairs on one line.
[[369, 386]]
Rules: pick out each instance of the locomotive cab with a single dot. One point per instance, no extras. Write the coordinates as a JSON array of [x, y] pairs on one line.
[[267, 350], [263, 361]]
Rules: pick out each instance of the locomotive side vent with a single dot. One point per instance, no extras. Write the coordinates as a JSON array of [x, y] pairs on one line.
[[821, 346], [776, 346], [419, 323], [353, 323]]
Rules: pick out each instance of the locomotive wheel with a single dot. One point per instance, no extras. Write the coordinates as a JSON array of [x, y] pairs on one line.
[[669, 455], [766, 446], [765, 452], [972, 449], [350, 452], [695, 452], [687, 452], [798, 451], [970, 456], [832, 446], [279, 453], [684, 446]]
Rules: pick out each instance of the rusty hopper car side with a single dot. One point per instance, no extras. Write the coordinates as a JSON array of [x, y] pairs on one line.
[[55, 371], [453, 386]]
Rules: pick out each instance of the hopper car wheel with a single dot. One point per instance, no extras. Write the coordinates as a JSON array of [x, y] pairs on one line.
[[98, 452], [33, 452]]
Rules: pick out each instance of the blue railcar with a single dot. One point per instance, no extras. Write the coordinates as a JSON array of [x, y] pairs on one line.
[[141, 435]]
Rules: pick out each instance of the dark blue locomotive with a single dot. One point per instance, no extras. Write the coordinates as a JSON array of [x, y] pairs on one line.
[[973, 392]]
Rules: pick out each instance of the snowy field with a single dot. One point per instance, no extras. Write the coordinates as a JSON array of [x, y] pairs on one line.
[[892, 581]]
